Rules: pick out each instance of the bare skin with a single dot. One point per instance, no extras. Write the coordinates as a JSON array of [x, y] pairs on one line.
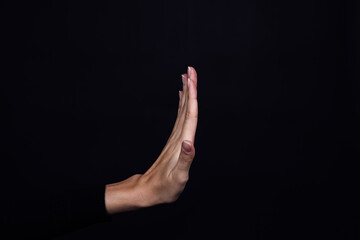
[[165, 180]]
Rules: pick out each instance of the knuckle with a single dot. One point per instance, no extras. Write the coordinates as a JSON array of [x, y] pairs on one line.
[[191, 115]]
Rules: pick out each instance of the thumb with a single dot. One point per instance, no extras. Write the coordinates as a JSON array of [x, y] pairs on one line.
[[186, 156]]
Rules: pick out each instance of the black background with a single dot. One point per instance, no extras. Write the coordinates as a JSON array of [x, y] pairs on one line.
[[90, 93]]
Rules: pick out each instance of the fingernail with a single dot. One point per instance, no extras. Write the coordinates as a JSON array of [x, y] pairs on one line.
[[186, 145], [189, 71], [183, 78]]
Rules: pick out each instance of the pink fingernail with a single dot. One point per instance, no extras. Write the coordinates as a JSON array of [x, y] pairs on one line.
[[183, 78]]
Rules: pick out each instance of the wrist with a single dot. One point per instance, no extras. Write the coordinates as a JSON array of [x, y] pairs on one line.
[[122, 196]]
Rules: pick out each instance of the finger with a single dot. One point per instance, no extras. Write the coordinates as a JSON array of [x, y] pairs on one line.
[[186, 156], [191, 115], [180, 108], [181, 93], [185, 89], [185, 99], [178, 112], [180, 96], [193, 75]]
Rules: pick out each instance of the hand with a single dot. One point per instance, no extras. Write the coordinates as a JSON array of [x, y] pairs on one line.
[[165, 180]]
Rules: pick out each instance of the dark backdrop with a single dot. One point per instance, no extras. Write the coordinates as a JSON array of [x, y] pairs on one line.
[[90, 90]]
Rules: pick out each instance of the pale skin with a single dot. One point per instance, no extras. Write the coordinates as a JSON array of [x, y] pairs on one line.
[[165, 180]]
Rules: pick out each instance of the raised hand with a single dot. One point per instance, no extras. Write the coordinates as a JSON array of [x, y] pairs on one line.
[[165, 180]]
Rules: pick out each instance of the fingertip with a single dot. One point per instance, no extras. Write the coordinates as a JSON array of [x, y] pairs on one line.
[[183, 77]]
